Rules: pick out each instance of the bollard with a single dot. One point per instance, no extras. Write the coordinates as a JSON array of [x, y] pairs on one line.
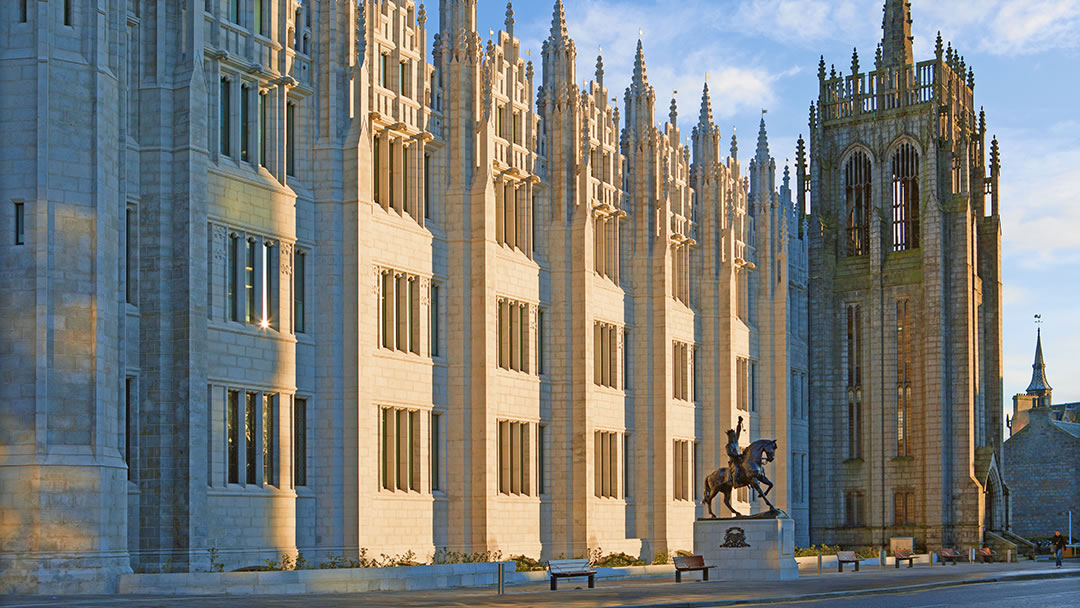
[[1008, 556], [819, 561], [881, 558], [501, 566], [931, 558]]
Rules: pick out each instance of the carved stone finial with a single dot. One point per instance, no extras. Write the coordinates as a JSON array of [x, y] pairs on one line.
[[855, 61], [821, 68], [600, 70], [673, 114], [937, 46], [510, 18], [421, 15]]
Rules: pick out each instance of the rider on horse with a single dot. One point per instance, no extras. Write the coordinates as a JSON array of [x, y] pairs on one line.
[[733, 452]]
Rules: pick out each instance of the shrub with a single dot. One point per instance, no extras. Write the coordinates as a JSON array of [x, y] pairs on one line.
[[527, 564], [445, 556], [612, 560], [661, 557]]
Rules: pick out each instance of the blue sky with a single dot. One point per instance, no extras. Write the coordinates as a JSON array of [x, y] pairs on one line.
[[764, 53]]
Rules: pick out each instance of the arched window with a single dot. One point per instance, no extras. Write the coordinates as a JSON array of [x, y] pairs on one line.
[[857, 191], [905, 198]]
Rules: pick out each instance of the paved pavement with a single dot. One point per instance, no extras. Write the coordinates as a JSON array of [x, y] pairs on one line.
[[1052, 593], [826, 588]]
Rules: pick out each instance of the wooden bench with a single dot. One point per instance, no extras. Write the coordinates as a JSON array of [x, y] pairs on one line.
[[847, 557], [986, 555], [949, 554], [691, 563], [899, 556], [570, 568]]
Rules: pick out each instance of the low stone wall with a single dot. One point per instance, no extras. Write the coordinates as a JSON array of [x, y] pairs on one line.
[[602, 574], [828, 562], [343, 580]]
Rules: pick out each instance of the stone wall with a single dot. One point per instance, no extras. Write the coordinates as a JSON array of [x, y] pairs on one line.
[[1042, 471]]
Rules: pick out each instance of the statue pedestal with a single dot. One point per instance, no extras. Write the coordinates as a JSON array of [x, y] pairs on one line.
[[748, 549]]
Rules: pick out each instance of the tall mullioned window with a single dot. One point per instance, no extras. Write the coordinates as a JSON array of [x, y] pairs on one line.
[[854, 382], [300, 442], [232, 437], [680, 371], [20, 223], [262, 111], [225, 120], [515, 457], [512, 319], [232, 280], [853, 509], [435, 453], [606, 464], [857, 180], [250, 437], [905, 198], [250, 251], [299, 291], [290, 140], [245, 123], [376, 169], [400, 453], [903, 507], [903, 376], [681, 469], [399, 311], [269, 286], [605, 355], [269, 443]]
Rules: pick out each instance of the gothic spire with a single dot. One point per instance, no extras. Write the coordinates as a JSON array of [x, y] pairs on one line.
[[600, 69], [734, 146], [1039, 385], [510, 19], [640, 77], [673, 113], [558, 22], [705, 117], [896, 30], [762, 155]]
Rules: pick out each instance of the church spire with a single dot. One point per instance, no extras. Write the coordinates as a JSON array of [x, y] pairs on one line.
[[762, 142], [896, 29], [558, 22], [640, 78], [705, 116], [1039, 385]]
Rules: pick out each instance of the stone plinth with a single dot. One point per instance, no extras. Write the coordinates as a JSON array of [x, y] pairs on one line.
[[748, 549]]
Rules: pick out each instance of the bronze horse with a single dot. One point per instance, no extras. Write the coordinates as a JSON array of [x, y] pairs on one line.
[[750, 473]]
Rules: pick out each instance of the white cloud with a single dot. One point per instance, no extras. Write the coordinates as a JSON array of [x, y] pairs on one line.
[[1039, 185], [1001, 27], [683, 42]]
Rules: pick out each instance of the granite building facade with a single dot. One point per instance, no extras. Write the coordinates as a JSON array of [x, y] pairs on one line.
[[288, 279], [905, 298]]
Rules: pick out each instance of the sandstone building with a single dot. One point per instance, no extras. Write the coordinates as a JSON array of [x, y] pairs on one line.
[[278, 283], [905, 298]]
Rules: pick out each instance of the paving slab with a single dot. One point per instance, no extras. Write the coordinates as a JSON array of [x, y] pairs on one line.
[[639, 593]]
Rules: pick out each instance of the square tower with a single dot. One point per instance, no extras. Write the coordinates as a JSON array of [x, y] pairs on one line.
[[905, 298]]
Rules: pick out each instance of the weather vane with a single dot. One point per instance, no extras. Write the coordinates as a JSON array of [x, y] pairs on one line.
[[1038, 319]]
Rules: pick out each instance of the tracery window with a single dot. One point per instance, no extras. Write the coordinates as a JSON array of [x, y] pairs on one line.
[[905, 198], [857, 178]]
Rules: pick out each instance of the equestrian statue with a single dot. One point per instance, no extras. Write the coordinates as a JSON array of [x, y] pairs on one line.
[[745, 468]]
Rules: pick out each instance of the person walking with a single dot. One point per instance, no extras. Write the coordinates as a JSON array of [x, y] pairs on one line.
[[1057, 543]]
